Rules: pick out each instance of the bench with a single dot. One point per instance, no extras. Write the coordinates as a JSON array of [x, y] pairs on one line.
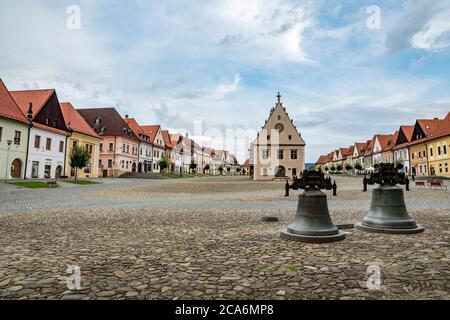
[[51, 183], [437, 184], [420, 184]]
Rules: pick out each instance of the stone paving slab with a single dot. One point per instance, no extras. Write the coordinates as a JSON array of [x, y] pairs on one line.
[[185, 254], [203, 238]]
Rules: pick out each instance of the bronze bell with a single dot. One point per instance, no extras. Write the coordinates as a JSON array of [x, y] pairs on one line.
[[312, 222], [388, 212]]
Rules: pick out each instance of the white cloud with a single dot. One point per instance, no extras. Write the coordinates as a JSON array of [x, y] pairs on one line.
[[225, 88], [435, 35]]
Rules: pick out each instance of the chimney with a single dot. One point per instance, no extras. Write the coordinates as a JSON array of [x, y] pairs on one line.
[[126, 117], [30, 112], [436, 118], [187, 135]]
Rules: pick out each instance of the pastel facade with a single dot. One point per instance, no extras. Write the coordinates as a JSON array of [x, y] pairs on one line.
[[119, 148], [279, 150], [81, 134], [157, 140], [145, 146], [14, 129], [401, 148], [48, 135]]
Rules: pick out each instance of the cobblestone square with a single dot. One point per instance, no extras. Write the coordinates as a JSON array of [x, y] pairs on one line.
[[202, 238]]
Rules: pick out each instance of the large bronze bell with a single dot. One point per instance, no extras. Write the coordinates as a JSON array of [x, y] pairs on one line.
[[312, 222], [388, 212]]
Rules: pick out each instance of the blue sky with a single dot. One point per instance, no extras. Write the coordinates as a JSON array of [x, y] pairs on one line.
[[221, 63]]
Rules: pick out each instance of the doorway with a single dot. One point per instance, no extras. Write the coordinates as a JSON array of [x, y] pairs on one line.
[[58, 172], [16, 169]]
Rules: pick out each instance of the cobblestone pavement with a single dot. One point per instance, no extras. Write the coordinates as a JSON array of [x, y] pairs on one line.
[[202, 238]]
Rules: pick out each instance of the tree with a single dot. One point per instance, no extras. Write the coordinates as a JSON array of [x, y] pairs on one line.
[[207, 167], [238, 170], [339, 168], [333, 168], [193, 166], [221, 169], [358, 167], [326, 169], [348, 167], [399, 165], [79, 158], [228, 169], [163, 163]]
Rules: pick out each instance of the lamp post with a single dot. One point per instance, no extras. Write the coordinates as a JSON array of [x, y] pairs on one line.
[[9, 142]]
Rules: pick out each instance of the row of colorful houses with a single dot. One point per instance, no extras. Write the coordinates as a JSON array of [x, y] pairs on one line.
[[38, 133], [423, 149]]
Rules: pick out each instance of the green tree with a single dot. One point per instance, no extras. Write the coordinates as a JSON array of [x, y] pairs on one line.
[[399, 165], [207, 167], [333, 168], [358, 167], [348, 167], [238, 170], [326, 169], [193, 166], [163, 163], [339, 168], [79, 158], [228, 169], [221, 169]]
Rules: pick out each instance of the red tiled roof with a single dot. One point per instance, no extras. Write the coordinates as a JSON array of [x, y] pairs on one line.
[[246, 163], [8, 107], [369, 147], [360, 146], [408, 132], [433, 129], [167, 139], [75, 121], [137, 129], [151, 131], [37, 97], [322, 160]]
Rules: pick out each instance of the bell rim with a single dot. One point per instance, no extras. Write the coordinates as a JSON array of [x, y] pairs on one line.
[[286, 235], [418, 229]]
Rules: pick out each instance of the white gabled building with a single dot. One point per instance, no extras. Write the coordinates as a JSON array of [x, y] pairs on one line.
[[48, 134]]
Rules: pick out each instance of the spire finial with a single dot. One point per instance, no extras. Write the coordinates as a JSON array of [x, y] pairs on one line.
[[279, 97]]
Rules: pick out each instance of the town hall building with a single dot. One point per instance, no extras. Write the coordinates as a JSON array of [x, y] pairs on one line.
[[279, 150]]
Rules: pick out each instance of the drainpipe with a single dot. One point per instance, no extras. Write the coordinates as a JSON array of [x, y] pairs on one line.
[[28, 150], [65, 151], [114, 155]]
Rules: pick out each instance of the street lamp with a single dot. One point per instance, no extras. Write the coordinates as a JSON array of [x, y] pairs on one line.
[[9, 142]]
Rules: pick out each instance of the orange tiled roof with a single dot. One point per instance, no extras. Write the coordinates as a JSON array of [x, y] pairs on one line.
[[37, 97], [151, 131], [8, 107], [322, 160], [408, 132], [167, 139], [433, 129], [75, 121], [369, 148]]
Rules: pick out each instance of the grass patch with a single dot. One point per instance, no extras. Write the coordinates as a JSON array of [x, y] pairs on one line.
[[34, 185], [82, 182]]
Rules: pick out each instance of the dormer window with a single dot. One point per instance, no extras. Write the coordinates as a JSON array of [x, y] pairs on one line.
[[47, 121], [98, 120]]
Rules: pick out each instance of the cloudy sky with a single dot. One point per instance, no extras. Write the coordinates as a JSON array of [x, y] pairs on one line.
[[346, 69]]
